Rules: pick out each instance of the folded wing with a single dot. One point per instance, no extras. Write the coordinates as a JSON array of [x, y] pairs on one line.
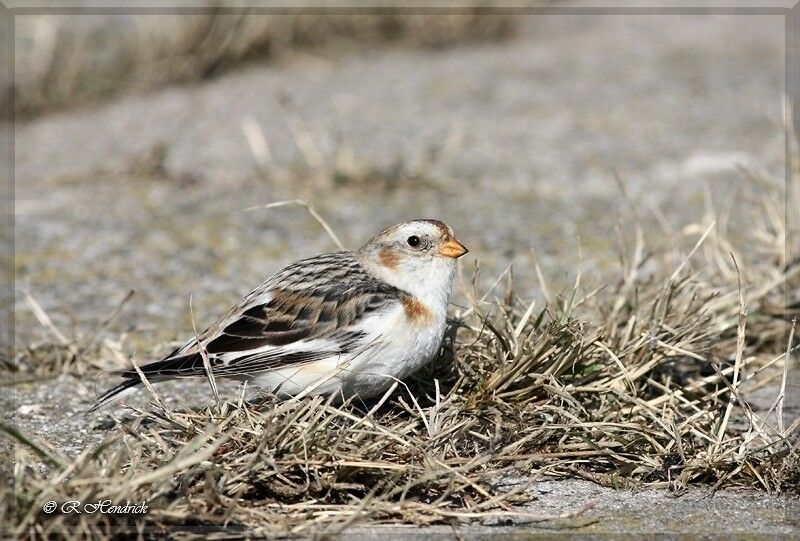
[[293, 319]]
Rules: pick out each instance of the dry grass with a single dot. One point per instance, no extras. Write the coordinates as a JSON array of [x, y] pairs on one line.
[[641, 381], [66, 59], [58, 353]]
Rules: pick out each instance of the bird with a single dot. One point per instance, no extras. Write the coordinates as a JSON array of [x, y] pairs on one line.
[[349, 323]]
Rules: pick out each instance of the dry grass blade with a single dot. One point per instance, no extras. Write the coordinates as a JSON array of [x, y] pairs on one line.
[[786, 362], [44, 319], [204, 355], [257, 142], [310, 210], [642, 382], [692, 252], [47, 455]]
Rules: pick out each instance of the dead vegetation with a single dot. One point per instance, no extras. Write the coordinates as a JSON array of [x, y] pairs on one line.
[[643, 381], [80, 355], [64, 59]]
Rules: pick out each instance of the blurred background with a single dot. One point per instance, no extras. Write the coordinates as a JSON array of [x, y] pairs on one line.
[[141, 140]]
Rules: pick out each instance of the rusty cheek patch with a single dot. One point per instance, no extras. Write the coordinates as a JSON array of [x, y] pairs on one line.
[[416, 311], [388, 258]]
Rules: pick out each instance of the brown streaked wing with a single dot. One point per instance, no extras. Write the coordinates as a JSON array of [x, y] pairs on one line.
[[332, 301]]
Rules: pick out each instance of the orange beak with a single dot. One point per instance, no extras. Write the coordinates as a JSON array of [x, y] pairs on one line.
[[453, 248]]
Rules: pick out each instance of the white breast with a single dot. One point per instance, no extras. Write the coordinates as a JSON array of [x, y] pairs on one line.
[[393, 349], [398, 342], [403, 348]]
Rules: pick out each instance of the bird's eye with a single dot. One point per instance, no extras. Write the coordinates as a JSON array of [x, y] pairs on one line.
[[413, 241]]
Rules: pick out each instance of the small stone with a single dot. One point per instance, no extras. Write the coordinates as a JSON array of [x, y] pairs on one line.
[[28, 409]]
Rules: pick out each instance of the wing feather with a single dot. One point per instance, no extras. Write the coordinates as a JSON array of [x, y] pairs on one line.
[[309, 311]]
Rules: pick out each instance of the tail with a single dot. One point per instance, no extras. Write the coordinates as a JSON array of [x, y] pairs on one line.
[[167, 368], [115, 393]]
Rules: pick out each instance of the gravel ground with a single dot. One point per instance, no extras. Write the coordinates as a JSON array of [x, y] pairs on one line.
[[727, 515], [529, 136], [515, 144]]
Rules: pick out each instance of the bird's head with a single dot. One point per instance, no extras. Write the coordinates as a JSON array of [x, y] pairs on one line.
[[415, 256]]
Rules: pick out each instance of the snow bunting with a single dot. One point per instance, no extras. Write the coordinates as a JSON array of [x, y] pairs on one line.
[[349, 323]]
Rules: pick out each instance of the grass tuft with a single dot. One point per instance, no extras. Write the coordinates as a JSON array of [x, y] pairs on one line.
[[645, 381]]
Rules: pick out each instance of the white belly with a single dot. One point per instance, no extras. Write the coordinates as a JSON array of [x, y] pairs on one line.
[[397, 350]]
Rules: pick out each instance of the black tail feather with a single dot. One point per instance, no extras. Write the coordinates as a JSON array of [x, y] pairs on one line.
[[114, 392], [167, 368], [175, 367]]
